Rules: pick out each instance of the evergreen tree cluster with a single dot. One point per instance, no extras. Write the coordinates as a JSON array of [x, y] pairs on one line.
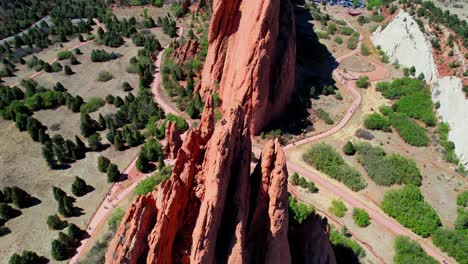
[[102, 56], [65, 245], [65, 202], [27, 257], [59, 151], [151, 151], [168, 25]]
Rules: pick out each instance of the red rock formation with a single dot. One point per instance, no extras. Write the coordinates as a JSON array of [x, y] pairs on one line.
[[174, 141], [186, 51], [251, 57], [130, 240]]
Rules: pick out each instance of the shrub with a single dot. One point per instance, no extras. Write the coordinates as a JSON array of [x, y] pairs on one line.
[[363, 82], [103, 163], [462, 199], [104, 76], [409, 130], [127, 87], [387, 169], [182, 125], [352, 42], [64, 55], [115, 219], [322, 35], [67, 70], [54, 222], [401, 87], [26, 257], [338, 40], [299, 211], [331, 28], [338, 208], [361, 217], [364, 134], [453, 242], [346, 249], [325, 116], [147, 185], [408, 251], [298, 180], [349, 149], [79, 187], [327, 160], [461, 222], [92, 105], [345, 30], [373, 3], [377, 18], [102, 56], [408, 207], [376, 121], [365, 50], [418, 105], [113, 173], [386, 110]]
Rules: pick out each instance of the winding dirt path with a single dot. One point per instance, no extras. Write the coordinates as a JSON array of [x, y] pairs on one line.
[[121, 190]]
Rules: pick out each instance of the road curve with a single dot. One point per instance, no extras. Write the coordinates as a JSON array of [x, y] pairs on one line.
[[117, 192]]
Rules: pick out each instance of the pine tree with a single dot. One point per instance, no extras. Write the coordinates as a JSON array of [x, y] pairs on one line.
[[74, 60], [67, 70], [161, 164], [113, 173], [59, 250], [20, 198], [103, 163], [21, 121], [80, 147], [59, 153], [43, 136], [78, 187], [118, 142], [74, 231], [67, 206], [94, 142], [142, 163], [102, 121], [48, 154], [87, 127], [54, 222], [58, 193], [80, 38], [349, 149]]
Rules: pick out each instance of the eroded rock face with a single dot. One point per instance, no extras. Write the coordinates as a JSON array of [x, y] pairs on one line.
[[130, 240], [251, 57], [174, 141], [212, 210], [186, 51]]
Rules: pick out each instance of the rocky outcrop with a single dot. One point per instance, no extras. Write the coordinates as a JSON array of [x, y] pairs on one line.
[[186, 51], [174, 141], [251, 57], [454, 111], [130, 240], [405, 43]]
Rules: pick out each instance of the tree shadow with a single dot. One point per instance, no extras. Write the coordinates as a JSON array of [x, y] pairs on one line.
[[314, 68], [77, 211], [344, 254], [32, 201], [4, 231]]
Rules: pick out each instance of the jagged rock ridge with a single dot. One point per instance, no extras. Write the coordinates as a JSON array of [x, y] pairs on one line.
[[251, 57]]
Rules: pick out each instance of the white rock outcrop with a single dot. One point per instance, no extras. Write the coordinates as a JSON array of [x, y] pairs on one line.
[[454, 111], [403, 41]]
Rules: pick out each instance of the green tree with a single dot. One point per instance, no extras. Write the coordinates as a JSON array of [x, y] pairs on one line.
[[79, 187], [363, 82], [7, 212], [103, 163], [142, 163], [349, 149], [67, 70], [94, 142], [361, 217], [74, 231], [338, 208], [48, 155], [113, 173], [20, 198], [59, 250], [54, 222]]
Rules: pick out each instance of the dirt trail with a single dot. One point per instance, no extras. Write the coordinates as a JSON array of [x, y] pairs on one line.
[[121, 190]]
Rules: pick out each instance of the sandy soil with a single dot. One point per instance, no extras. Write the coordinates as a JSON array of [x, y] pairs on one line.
[[356, 64], [21, 158]]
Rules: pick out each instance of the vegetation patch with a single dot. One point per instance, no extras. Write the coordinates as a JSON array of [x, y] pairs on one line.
[[346, 249], [386, 169], [376, 121], [409, 130], [338, 208], [92, 105], [408, 251], [298, 180], [327, 160], [408, 207], [454, 242], [325, 116], [64, 55], [361, 217], [147, 185], [104, 76], [298, 212]]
